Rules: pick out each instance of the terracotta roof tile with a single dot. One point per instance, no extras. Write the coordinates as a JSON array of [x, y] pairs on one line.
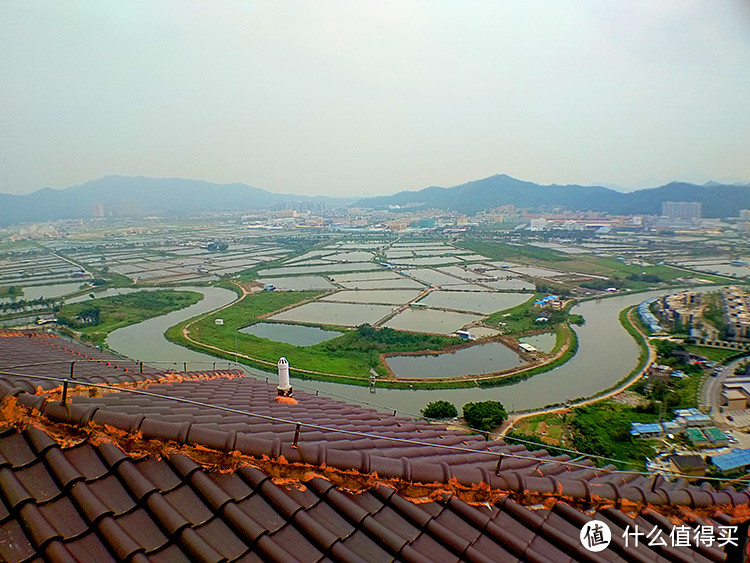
[[101, 503], [112, 494], [262, 513], [143, 529], [220, 537], [295, 541], [232, 484], [64, 517], [86, 461], [89, 548], [364, 546]]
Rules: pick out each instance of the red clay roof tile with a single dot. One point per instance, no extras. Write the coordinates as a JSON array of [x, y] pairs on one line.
[[143, 529], [111, 493]]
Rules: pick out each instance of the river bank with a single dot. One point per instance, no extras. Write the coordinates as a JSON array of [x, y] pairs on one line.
[[606, 354]]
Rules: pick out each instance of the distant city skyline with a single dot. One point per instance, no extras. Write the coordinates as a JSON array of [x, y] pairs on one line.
[[361, 99]]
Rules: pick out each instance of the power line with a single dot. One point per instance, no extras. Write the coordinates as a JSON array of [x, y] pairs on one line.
[[371, 435], [382, 407]]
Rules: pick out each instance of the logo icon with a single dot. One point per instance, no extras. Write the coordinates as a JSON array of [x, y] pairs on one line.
[[595, 535]]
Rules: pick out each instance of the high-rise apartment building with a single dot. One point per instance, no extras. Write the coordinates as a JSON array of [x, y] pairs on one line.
[[682, 209]]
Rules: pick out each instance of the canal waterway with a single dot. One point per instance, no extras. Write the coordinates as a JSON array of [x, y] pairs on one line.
[[145, 341], [606, 354]]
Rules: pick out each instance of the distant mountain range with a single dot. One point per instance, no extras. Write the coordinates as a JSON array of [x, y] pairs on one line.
[[133, 196], [719, 200], [139, 195]]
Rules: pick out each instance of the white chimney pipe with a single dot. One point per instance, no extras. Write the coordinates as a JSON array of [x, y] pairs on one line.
[[284, 388]]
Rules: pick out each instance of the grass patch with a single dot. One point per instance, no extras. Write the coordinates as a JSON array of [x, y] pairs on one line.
[[604, 429], [344, 359], [512, 252], [11, 291], [352, 354], [719, 355], [121, 310]]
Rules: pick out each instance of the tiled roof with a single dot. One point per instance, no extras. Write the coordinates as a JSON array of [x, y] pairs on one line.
[[521, 470], [140, 477], [47, 356], [51, 356], [96, 503]]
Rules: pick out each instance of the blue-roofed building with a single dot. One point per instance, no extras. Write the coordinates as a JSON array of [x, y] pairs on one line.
[[737, 459], [548, 300], [686, 412], [646, 430], [648, 318], [671, 427], [694, 420]]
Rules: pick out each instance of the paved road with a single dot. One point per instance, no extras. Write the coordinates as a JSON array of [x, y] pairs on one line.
[[712, 388]]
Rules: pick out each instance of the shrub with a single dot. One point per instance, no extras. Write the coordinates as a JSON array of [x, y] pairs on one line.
[[484, 415], [439, 409]]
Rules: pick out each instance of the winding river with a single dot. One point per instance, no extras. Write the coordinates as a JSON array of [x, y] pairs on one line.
[[606, 354]]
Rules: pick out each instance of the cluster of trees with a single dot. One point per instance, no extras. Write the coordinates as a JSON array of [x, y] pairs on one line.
[[369, 342], [20, 305], [543, 287], [11, 291], [714, 313], [601, 285], [89, 317], [219, 246], [370, 339], [483, 415], [648, 278]]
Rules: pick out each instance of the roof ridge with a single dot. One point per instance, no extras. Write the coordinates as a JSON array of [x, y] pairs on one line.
[[164, 378], [360, 469]]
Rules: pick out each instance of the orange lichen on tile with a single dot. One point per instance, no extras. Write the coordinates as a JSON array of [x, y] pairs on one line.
[[286, 400], [282, 471], [100, 390]]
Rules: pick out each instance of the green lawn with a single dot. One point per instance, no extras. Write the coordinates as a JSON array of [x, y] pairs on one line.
[[122, 310], [713, 354]]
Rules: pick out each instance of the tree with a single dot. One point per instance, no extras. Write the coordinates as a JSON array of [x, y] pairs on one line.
[[439, 409], [484, 415]]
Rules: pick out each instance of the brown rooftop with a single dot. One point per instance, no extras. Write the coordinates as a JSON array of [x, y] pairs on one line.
[[131, 476]]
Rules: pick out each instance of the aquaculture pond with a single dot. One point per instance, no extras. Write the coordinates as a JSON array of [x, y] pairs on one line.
[[544, 342], [473, 360], [297, 335]]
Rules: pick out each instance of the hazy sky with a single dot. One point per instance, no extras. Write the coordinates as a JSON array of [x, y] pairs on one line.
[[353, 98]]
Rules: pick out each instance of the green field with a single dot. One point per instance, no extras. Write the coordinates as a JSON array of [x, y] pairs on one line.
[[513, 252], [348, 358], [352, 354], [714, 354], [122, 310], [11, 291], [631, 275], [604, 429]]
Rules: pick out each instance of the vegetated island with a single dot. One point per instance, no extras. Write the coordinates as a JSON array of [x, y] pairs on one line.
[[358, 355], [95, 318]]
